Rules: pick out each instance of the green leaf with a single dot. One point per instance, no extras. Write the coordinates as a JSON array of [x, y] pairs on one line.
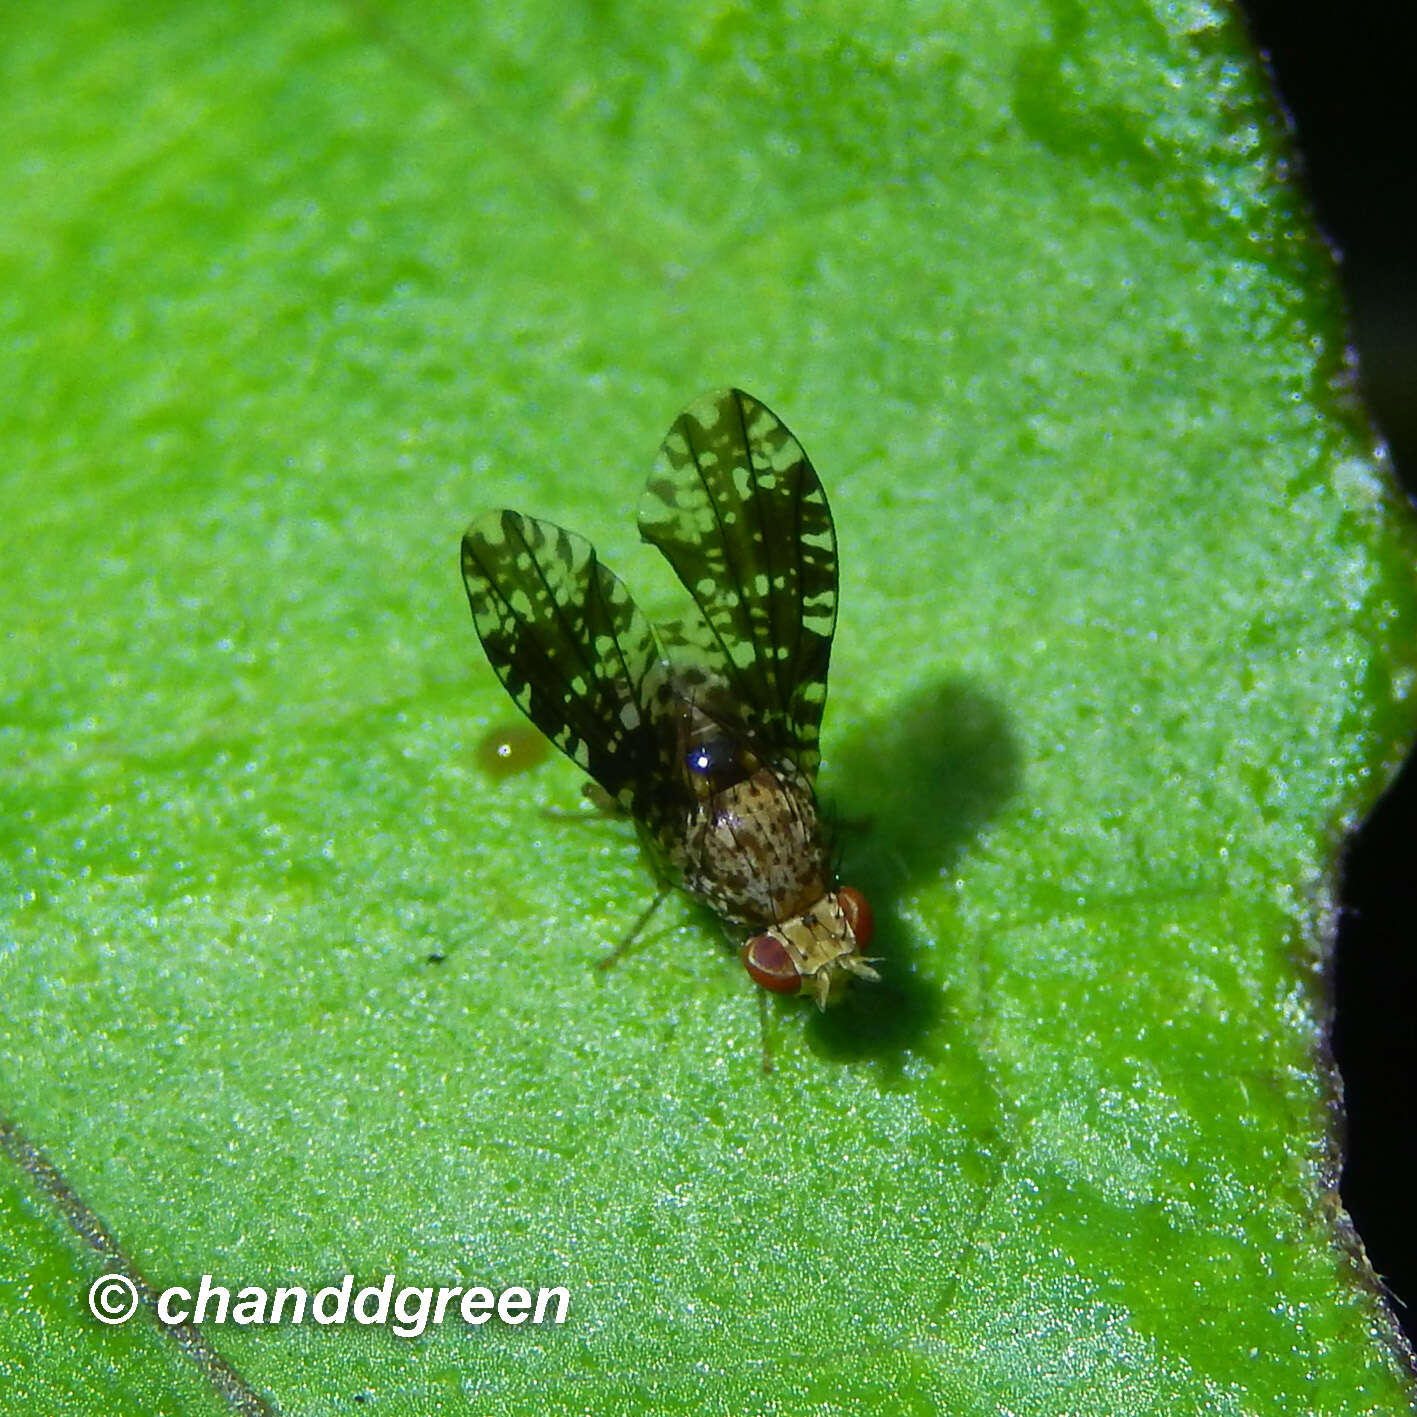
[[1127, 617]]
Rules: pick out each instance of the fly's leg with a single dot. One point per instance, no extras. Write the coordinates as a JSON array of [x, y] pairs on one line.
[[635, 930], [603, 804], [765, 1028]]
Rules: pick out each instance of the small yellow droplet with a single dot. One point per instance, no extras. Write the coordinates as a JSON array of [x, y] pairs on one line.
[[507, 750]]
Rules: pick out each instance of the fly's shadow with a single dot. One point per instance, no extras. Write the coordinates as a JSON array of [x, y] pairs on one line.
[[912, 789]]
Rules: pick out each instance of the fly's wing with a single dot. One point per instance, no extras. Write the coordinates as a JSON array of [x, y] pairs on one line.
[[736, 506], [569, 645]]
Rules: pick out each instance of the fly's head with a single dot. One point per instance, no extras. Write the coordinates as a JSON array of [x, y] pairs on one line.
[[817, 952]]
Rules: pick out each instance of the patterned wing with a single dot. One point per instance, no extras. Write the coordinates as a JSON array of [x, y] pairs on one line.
[[736, 506], [570, 645]]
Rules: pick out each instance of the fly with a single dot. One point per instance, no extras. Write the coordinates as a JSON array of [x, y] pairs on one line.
[[705, 731]]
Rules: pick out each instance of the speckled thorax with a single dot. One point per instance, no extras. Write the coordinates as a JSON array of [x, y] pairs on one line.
[[751, 848]]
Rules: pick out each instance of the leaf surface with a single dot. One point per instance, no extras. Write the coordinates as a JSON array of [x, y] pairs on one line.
[[1125, 645]]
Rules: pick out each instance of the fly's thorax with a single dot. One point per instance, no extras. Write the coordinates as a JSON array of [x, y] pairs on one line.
[[753, 850], [817, 952]]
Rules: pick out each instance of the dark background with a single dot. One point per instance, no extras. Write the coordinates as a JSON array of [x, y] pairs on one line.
[[1348, 77]]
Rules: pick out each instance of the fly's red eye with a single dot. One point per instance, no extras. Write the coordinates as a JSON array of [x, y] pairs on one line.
[[857, 910], [766, 959]]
